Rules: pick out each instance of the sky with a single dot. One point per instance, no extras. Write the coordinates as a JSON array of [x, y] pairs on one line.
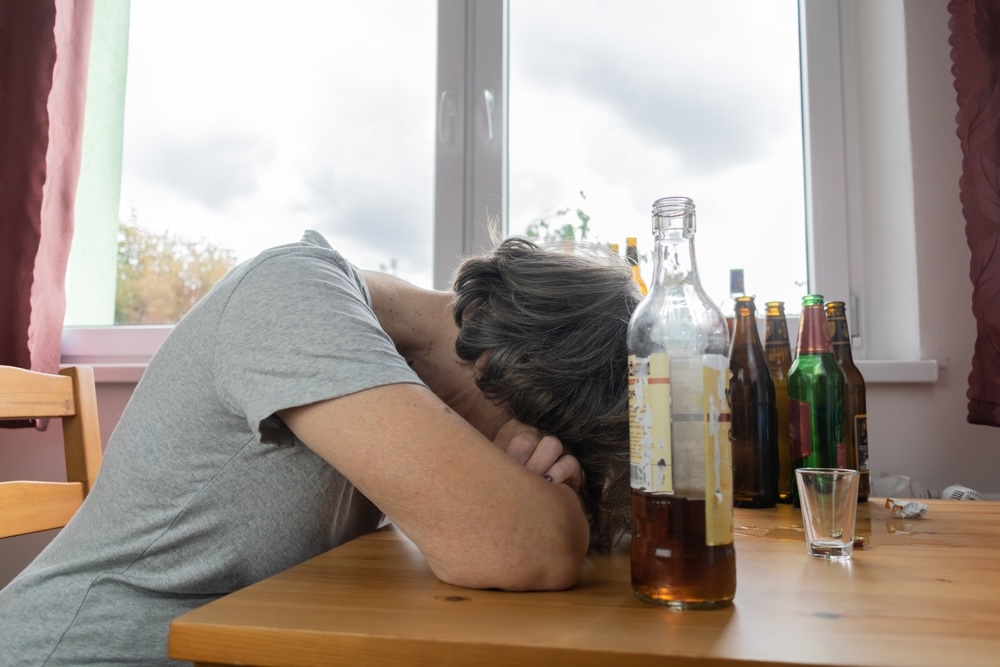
[[249, 121]]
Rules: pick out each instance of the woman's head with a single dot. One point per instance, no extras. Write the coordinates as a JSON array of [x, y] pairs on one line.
[[548, 329]]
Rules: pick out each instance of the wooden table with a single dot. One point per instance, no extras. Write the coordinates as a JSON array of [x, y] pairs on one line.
[[923, 592]]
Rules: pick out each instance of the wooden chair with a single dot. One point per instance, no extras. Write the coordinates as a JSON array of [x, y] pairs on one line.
[[32, 506]]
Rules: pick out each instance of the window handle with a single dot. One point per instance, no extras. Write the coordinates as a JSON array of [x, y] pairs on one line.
[[489, 102], [447, 112]]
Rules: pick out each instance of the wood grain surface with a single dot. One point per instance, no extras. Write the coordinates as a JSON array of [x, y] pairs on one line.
[[923, 592]]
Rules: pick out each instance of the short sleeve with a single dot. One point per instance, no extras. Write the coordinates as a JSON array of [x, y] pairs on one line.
[[298, 329]]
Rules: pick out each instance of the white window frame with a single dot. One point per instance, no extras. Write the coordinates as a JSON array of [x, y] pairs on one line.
[[471, 174]]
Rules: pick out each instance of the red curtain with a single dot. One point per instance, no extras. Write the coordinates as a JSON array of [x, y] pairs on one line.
[[975, 54], [44, 49]]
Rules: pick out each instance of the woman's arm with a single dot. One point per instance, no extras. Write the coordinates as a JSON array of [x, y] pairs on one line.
[[481, 518]]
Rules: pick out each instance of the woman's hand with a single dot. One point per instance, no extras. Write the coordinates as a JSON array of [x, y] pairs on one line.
[[543, 455]]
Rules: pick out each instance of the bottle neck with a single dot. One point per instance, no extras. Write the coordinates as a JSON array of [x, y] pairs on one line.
[[776, 336], [840, 336], [814, 338], [674, 258]]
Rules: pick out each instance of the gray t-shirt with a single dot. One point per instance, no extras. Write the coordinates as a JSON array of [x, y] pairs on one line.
[[203, 490]]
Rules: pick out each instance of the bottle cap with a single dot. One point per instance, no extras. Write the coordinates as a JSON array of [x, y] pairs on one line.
[[736, 281]]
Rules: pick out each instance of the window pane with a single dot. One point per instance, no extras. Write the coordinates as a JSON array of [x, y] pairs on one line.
[[247, 122], [613, 105]]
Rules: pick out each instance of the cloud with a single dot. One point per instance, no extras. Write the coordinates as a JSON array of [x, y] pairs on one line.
[[388, 216], [703, 93], [214, 168]]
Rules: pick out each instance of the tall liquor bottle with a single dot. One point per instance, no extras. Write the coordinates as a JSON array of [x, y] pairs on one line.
[[779, 361], [632, 255], [681, 464], [815, 395], [754, 428], [736, 290], [855, 410]]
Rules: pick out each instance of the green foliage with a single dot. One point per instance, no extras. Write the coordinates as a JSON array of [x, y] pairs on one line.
[[560, 226], [161, 276]]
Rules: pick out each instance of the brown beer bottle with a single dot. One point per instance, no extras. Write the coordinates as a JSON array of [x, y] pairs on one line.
[[632, 255], [754, 427], [855, 410], [779, 360], [681, 465]]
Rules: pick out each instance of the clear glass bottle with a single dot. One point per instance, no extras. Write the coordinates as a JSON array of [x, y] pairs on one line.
[[682, 503], [779, 359], [815, 395], [855, 408], [754, 427], [632, 255]]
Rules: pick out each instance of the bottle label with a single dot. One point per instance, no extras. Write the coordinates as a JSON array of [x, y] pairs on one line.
[[650, 454], [799, 429], [775, 333], [679, 433], [861, 437], [837, 326], [718, 452]]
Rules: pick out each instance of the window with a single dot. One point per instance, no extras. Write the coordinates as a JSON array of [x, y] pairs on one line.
[[285, 89], [246, 124], [615, 105]]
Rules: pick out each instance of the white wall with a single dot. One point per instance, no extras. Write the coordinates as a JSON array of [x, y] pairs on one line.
[[910, 212]]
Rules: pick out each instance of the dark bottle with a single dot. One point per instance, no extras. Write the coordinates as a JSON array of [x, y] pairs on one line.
[[682, 554], [779, 360], [754, 427], [736, 290], [815, 395], [855, 410]]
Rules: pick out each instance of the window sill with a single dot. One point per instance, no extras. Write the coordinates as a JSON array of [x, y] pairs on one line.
[[120, 355], [117, 354], [924, 371]]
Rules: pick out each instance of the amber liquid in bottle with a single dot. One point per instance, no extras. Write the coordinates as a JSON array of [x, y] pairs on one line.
[[855, 409], [694, 571], [753, 430], [778, 350]]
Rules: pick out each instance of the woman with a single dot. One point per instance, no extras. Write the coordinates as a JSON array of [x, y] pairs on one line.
[[301, 401]]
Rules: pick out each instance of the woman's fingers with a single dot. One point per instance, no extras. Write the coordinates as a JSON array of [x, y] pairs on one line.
[[566, 470], [543, 455]]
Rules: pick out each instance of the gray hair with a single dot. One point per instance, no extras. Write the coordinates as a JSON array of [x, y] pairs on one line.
[[553, 324]]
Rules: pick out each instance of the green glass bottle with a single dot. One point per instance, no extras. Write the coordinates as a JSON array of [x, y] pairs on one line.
[[855, 410], [779, 360], [754, 426], [815, 395]]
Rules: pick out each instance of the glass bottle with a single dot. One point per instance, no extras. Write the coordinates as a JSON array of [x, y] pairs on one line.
[[632, 255], [736, 290], [752, 403], [779, 360], [682, 503], [815, 395], [855, 410]]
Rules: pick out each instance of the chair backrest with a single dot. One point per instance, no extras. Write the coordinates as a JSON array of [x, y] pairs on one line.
[[32, 506]]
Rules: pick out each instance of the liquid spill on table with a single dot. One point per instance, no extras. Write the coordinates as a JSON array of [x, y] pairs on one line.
[[869, 532]]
